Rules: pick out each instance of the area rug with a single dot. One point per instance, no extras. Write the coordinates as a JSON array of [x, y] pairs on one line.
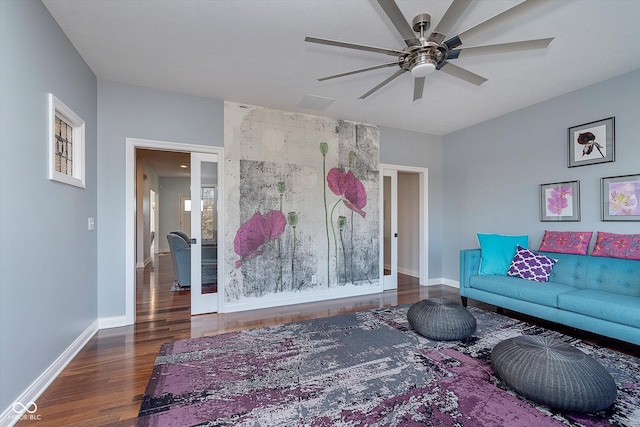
[[368, 368]]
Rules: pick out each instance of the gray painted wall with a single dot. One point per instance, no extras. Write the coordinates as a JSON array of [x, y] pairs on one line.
[[407, 148], [494, 169], [47, 255], [128, 111]]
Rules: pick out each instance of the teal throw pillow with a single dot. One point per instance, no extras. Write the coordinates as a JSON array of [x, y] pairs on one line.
[[498, 251]]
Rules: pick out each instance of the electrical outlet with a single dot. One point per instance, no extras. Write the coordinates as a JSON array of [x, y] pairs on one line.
[[314, 279]]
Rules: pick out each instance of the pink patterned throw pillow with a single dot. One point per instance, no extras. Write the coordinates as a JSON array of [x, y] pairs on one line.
[[617, 245], [530, 265], [566, 242]]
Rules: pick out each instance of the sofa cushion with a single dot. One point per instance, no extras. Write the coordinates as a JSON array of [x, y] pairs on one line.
[[566, 242], [513, 287], [498, 251], [569, 269], [603, 305], [620, 276], [617, 245], [529, 265]]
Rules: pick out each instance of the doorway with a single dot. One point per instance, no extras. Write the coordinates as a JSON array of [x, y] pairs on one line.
[[130, 212], [404, 242]]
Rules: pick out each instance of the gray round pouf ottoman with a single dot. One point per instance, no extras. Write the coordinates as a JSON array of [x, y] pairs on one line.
[[441, 319], [554, 373]]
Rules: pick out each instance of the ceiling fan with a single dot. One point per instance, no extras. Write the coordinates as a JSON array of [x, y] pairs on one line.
[[426, 54]]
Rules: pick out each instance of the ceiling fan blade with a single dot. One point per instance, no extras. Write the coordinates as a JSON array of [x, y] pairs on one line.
[[361, 70], [499, 48], [449, 19], [505, 16], [398, 20], [418, 88], [392, 52], [461, 73], [389, 79]]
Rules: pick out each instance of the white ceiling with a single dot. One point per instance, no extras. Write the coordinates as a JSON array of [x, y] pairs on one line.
[[253, 51]]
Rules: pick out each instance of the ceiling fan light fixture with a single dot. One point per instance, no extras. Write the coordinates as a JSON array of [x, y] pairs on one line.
[[423, 67]]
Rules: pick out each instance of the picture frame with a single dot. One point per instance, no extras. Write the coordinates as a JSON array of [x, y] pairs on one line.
[[620, 198], [560, 201], [592, 143]]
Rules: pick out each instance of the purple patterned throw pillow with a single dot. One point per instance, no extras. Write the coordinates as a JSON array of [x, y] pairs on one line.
[[530, 265]]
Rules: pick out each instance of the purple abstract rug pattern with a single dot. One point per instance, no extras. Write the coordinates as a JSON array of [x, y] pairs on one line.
[[366, 368]]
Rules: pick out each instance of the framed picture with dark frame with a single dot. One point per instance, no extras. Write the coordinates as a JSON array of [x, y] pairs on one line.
[[620, 198], [560, 201], [592, 143]]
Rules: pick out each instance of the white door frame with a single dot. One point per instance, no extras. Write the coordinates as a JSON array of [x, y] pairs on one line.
[[423, 217], [130, 213], [390, 281]]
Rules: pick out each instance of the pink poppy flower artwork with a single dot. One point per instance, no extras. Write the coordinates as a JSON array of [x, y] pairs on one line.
[[350, 188], [255, 232]]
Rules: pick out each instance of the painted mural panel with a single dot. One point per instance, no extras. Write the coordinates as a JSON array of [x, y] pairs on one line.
[[301, 203]]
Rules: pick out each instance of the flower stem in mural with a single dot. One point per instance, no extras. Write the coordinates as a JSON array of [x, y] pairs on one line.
[[335, 241], [351, 248], [281, 189], [324, 149], [352, 157], [342, 221], [293, 222]]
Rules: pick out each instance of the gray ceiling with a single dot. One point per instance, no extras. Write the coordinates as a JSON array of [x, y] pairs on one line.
[[252, 51]]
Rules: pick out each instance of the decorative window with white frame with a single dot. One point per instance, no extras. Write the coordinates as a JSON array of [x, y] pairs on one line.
[[66, 144]]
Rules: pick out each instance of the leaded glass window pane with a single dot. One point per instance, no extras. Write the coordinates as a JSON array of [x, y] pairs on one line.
[[64, 147]]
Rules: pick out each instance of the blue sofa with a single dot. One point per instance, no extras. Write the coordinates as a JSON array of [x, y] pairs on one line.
[[596, 294]]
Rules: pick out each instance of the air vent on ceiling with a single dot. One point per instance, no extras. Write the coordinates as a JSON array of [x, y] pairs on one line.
[[313, 102]]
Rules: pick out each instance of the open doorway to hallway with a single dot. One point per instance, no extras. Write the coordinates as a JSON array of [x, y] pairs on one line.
[[162, 195], [404, 242]]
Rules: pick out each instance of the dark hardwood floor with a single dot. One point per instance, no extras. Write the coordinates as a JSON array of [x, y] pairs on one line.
[[104, 383]]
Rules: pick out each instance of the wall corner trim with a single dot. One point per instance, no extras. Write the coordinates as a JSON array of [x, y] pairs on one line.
[[31, 394]]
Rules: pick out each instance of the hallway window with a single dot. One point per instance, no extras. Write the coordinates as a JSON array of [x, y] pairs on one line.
[[66, 144]]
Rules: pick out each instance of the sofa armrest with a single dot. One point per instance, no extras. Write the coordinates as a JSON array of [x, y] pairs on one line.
[[469, 266]]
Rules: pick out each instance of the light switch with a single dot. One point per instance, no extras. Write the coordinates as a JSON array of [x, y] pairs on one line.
[[92, 224]]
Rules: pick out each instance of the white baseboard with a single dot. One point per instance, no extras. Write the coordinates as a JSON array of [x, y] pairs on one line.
[[452, 283], [144, 263], [408, 272], [443, 281], [112, 322], [300, 298], [9, 417]]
